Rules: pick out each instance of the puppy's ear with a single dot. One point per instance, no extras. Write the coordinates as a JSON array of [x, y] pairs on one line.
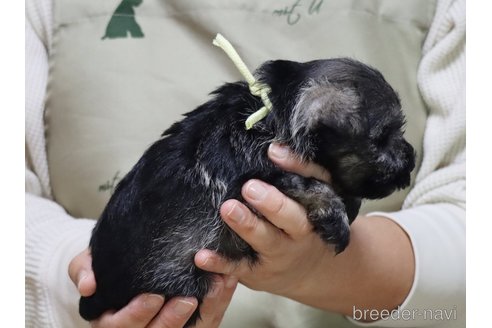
[[327, 104], [282, 74]]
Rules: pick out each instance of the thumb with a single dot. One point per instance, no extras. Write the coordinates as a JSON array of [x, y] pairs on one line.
[[283, 157], [80, 271]]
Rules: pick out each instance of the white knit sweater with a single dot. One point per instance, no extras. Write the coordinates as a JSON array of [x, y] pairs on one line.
[[433, 213]]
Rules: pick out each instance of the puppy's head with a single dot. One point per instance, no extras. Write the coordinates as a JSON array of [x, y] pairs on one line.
[[345, 116]]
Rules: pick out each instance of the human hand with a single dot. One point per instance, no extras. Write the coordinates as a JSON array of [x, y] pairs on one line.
[[149, 310], [290, 252], [374, 272]]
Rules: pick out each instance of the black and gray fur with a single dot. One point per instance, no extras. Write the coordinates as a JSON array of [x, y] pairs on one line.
[[338, 113]]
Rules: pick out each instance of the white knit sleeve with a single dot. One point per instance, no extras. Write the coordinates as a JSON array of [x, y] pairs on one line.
[[441, 80], [53, 238], [433, 214]]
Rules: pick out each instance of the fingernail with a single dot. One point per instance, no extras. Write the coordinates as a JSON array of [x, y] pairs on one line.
[[183, 307], [256, 190], [82, 275], [204, 259], [278, 151], [236, 213], [153, 301]]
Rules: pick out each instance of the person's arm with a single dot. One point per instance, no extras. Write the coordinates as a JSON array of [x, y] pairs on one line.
[[52, 236], [375, 271]]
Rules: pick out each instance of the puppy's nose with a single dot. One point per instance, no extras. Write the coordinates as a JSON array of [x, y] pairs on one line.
[[402, 176]]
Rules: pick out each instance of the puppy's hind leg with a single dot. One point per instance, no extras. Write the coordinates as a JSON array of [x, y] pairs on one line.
[[325, 210]]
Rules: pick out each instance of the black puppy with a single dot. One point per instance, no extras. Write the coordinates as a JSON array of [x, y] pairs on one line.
[[338, 113]]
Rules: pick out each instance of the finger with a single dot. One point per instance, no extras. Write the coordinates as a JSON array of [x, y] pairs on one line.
[[138, 313], [217, 300], [80, 271], [280, 210], [210, 261], [283, 157], [175, 313], [259, 234]]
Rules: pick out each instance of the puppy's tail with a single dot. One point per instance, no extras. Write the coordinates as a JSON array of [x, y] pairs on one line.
[[91, 307]]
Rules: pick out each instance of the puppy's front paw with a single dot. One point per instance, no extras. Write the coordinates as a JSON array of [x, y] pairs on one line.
[[330, 221], [325, 209]]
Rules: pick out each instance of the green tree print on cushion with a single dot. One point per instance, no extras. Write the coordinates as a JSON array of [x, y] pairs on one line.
[[123, 21]]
